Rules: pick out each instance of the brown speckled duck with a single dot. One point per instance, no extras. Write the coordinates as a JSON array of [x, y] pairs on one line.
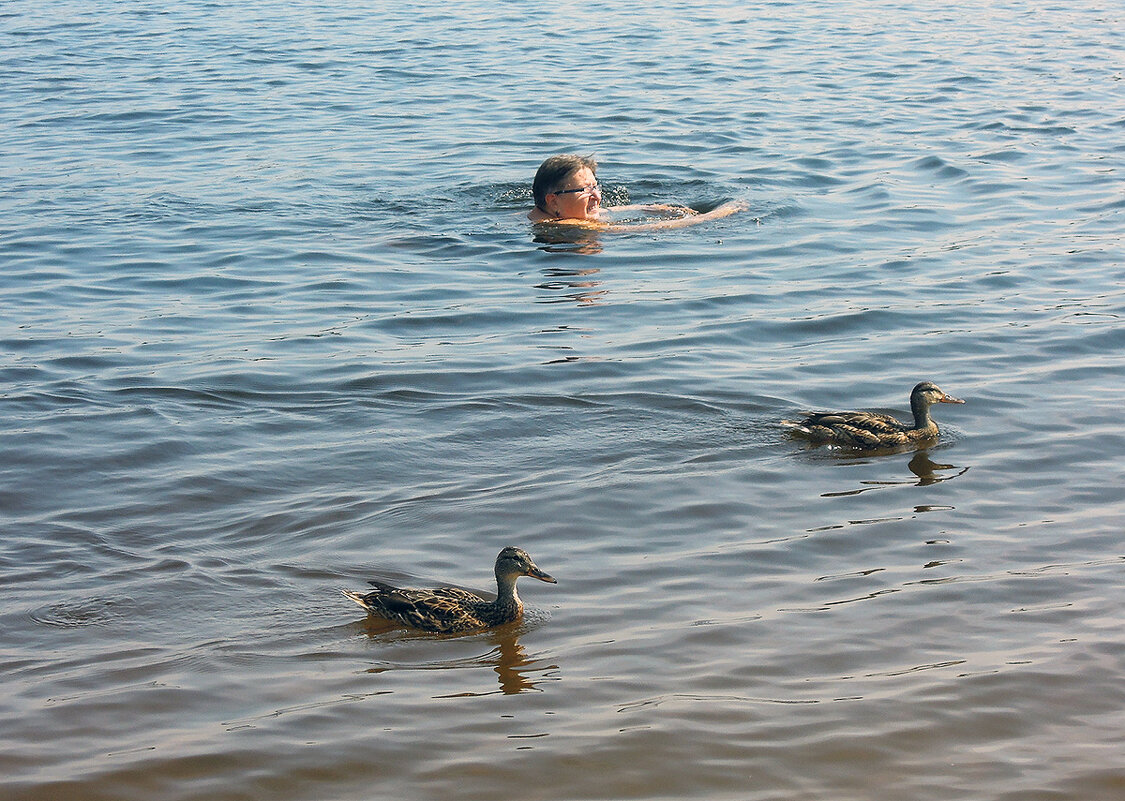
[[870, 430], [449, 609]]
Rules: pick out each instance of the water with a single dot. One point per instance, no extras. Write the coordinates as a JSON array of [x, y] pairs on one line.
[[273, 323]]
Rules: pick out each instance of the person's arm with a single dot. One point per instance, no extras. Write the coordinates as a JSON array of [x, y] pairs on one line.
[[717, 213], [674, 207]]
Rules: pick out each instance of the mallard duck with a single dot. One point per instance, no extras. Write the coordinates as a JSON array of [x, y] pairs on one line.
[[870, 430], [450, 609]]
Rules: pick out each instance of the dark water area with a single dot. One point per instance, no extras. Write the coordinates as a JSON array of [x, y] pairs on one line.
[[273, 323]]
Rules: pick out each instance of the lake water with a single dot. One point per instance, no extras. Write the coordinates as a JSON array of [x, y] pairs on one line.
[[272, 323]]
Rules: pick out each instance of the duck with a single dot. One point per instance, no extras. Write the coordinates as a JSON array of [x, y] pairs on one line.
[[449, 610], [871, 430]]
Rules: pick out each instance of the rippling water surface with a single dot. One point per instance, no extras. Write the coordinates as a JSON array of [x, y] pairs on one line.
[[272, 323]]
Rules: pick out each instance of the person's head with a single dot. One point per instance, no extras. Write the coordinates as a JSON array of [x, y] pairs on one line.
[[566, 187]]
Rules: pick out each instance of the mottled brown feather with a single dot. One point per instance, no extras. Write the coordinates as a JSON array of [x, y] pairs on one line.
[[449, 610], [871, 430]]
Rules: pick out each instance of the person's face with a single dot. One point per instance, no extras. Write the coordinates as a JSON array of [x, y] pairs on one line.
[[579, 198]]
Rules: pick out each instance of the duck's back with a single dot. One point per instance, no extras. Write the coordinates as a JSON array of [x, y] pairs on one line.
[[867, 421], [442, 610], [860, 429]]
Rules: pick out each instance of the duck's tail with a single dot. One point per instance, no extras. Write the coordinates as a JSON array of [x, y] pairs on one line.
[[795, 426], [355, 596]]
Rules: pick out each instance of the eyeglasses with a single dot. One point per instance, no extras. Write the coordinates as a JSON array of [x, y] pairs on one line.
[[592, 189]]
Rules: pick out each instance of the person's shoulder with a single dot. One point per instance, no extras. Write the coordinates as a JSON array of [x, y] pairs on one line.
[[540, 218], [568, 223]]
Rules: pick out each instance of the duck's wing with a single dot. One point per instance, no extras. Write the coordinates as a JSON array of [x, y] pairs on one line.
[[446, 609], [863, 437], [863, 430], [453, 593], [458, 594], [867, 421]]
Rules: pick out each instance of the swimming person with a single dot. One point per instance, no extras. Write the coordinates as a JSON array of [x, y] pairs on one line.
[[566, 192]]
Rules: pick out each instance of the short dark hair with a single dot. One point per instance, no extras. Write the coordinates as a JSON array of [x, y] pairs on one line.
[[553, 173]]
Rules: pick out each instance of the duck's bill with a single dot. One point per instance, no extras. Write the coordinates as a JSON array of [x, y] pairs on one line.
[[539, 574], [950, 399]]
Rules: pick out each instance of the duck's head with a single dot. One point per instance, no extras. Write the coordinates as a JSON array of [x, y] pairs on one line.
[[928, 393], [515, 562]]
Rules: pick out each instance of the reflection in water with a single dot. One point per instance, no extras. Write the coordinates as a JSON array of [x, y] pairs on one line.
[[924, 467], [566, 280], [569, 280], [513, 666], [567, 239], [921, 465], [516, 672]]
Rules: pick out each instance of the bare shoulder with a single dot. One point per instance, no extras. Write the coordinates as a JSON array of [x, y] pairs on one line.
[[551, 222]]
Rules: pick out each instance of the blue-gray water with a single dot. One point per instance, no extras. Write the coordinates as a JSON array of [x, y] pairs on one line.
[[272, 323]]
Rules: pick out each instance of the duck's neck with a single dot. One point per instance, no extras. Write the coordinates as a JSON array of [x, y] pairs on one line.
[[921, 411], [506, 597]]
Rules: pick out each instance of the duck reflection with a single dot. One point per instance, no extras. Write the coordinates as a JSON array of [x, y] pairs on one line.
[[925, 470], [516, 671]]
